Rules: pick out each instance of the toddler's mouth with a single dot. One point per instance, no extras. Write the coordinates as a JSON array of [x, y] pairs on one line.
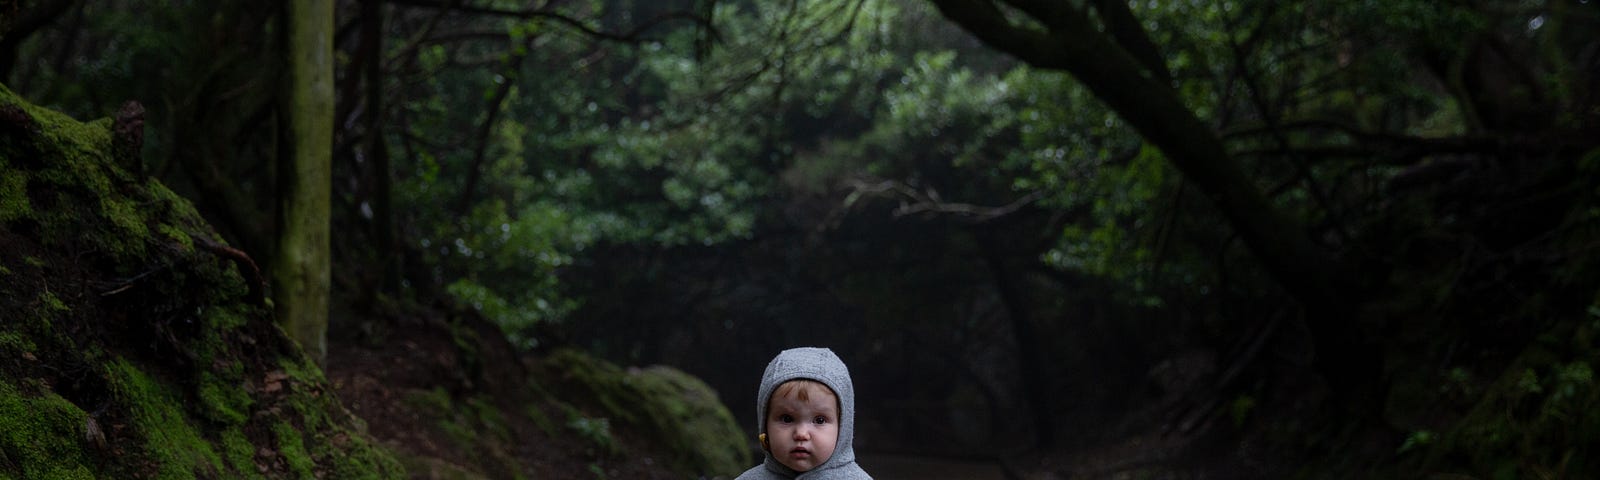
[[800, 452]]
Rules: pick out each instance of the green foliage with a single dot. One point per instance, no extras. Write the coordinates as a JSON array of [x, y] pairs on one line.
[[13, 195], [512, 281], [596, 431], [1537, 418], [651, 146], [1416, 440]]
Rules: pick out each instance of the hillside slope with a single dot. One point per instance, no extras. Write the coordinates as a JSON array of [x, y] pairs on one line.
[[134, 343]]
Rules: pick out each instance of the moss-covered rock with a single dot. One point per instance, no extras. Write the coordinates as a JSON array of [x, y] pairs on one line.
[[133, 343], [676, 409], [40, 435]]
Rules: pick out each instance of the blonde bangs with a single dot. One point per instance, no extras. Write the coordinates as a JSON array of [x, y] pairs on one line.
[[802, 390]]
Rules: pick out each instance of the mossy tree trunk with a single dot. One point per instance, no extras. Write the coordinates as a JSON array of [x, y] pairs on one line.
[[300, 272]]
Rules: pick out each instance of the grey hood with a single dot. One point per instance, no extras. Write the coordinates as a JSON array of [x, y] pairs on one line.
[[822, 365]]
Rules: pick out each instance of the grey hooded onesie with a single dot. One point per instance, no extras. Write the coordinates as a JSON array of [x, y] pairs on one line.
[[822, 365]]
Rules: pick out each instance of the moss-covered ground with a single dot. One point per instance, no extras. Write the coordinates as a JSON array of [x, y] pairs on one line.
[[455, 400], [128, 351], [135, 345]]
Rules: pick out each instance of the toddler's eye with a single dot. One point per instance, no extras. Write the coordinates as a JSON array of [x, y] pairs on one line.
[[819, 420], [786, 418]]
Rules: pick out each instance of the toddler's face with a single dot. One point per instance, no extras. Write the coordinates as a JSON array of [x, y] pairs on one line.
[[802, 433]]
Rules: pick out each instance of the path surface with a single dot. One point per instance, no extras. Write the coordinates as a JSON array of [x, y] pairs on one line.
[[910, 467]]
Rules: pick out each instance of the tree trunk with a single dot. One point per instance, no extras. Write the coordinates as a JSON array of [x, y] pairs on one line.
[[485, 131], [300, 270], [377, 150], [1031, 361]]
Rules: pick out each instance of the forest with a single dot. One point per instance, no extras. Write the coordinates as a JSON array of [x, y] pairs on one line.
[[524, 239]]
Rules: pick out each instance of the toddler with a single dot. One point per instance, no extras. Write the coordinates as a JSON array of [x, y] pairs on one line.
[[805, 411]]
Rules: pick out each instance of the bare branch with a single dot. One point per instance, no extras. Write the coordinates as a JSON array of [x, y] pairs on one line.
[[928, 201], [1403, 148]]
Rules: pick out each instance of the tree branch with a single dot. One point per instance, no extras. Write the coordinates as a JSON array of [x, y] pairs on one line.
[[468, 190], [1119, 20], [1154, 109], [928, 201], [1406, 149], [632, 36]]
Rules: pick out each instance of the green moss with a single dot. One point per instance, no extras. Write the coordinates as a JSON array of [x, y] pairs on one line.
[[475, 426], [13, 195], [177, 418], [78, 165], [437, 404], [356, 458], [177, 206], [335, 444], [219, 376], [674, 408], [41, 436], [292, 447], [50, 301], [302, 370], [240, 453], [125, 215], [223, 402], [13, 343], [439, 469], [177, 448], [177, 235], [688, 411]]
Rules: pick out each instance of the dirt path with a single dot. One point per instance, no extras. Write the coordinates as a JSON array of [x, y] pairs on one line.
[[908, 467]]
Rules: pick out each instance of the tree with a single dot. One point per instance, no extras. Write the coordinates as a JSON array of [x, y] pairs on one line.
[[1335, 251], [1120, 65], [301, 265]]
